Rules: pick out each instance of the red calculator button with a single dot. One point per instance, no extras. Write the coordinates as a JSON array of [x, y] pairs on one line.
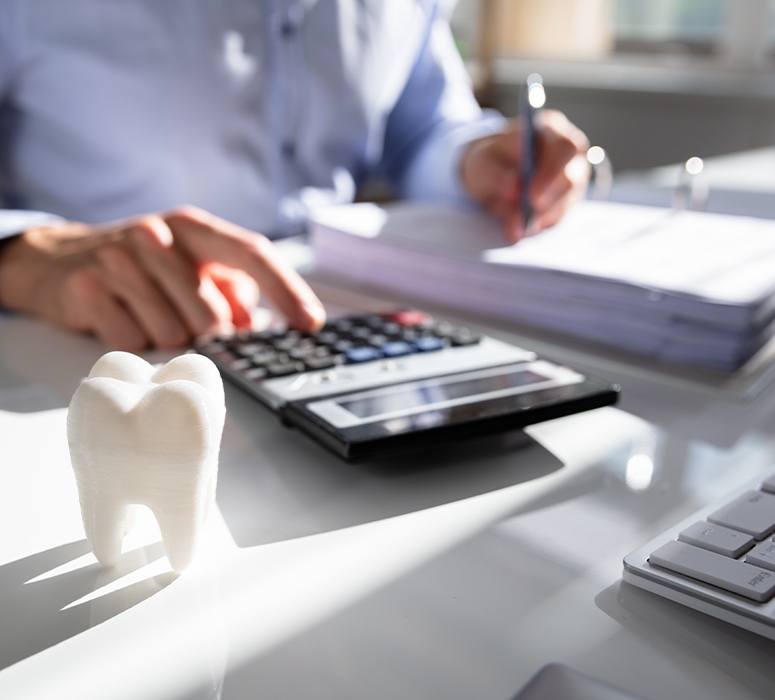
[[409, 317]]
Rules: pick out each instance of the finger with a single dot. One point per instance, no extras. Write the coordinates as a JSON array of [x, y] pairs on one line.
[[94, 308], [175, 274], [144, 300], [218, 302], [210, 239], [507, 144], [239, 290], [573, 176], [558, 210], [558, 142]]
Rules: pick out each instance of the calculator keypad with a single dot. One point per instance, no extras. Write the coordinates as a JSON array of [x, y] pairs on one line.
[[258, 356]]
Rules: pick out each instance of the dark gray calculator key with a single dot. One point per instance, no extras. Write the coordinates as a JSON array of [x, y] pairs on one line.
[[361, 333], [212, 347], [753, 512], [327, 338], [390, 328], [763, 554], [255, 374], [282, 369], [732, 575], [225, 357], [717, 538], [302, 352], [240, 365], [343, 345], [769, 484], [248, 349], [315, 363], [264, 358], [462, 339]]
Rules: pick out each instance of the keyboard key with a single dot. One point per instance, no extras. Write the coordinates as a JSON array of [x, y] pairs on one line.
[[769, 485], [735, 576], [343, 345], [364, 353], [762, 555], [377, 340], [429, 344], [397, 348], [282, 369], [753, 512], [717, 538], [255, 374]]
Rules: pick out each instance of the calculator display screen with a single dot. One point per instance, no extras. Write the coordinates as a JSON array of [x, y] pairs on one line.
[[428, 393]]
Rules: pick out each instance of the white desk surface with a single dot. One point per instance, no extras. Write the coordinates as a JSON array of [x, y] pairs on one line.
[[435, 577]]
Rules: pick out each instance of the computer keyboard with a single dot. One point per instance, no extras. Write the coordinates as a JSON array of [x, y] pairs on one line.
[[720, 561]]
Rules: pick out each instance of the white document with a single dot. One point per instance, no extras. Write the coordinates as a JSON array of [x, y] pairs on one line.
[[680, 285]]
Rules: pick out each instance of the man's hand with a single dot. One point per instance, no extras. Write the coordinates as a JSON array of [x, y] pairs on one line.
[[156, 280], [490, 173]]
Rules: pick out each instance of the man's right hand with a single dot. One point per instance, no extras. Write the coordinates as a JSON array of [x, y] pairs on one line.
[[157, 280]]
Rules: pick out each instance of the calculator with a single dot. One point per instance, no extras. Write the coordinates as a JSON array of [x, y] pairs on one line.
[[373, 383]]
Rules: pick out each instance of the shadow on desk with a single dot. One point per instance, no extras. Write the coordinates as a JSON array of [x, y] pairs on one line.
[[685, 635], [46, 607], [276, 484]]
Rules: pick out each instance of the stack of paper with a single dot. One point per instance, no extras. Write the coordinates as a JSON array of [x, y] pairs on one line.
[[680, 286]]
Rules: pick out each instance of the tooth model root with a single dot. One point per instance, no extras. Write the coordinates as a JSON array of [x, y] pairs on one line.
[[143, 436]]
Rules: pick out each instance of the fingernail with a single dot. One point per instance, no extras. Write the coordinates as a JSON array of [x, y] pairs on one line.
[[315, 314]]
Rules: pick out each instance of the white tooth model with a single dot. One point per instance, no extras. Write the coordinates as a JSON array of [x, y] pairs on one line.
[[140, 435]]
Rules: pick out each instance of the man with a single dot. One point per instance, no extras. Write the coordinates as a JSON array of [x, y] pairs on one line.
[[254, 112]]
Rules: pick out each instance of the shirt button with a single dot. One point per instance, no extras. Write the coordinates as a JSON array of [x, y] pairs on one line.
[[288, 149], [287, 29]]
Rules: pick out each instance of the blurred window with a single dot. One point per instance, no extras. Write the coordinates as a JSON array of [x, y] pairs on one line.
[[690, 26]]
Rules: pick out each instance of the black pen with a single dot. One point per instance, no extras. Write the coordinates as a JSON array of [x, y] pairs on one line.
[[533, 99]]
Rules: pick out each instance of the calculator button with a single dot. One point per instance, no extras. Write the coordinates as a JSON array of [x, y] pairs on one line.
[[213, 347], [717, 538], [315, 363], [249, 349], [302, 352], [282, 369], [462, 338], [361, 333], [429, 344], [762, 555], [363, 353], [397, 348], [225, 357], [240, 365], [731, 575], [327, 337], [343, 345], [409, 317], [753, 512], [264, 358], [255, 374]]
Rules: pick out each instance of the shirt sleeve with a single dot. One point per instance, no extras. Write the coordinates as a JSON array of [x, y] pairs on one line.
[[13, 221], [435, 117]]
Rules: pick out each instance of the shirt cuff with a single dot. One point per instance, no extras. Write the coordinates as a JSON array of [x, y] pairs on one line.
[[434, 175], [14, 221]]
